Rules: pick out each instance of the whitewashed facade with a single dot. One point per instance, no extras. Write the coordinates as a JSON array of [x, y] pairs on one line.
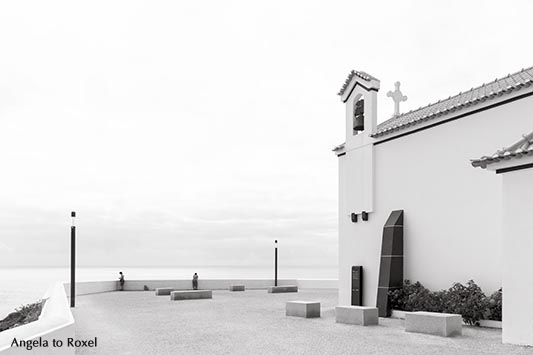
[[515, 166], [420, 162]]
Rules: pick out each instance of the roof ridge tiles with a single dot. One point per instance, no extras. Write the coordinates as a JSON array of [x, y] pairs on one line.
[[358, 73], [475, 95], [522, 147]]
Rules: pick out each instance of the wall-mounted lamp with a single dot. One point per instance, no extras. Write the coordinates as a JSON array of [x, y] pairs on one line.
[[354, 217], [364, 215]]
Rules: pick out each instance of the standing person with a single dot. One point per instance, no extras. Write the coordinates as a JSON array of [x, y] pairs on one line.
[[195, 281], [121, 281]]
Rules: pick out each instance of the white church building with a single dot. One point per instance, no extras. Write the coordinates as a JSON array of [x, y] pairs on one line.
[[422, 197]]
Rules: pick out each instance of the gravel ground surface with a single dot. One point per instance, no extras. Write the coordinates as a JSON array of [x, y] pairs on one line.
[[254, 322]]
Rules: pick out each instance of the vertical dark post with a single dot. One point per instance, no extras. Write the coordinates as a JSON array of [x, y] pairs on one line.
[[276, 263], [73, 262], [391, 266]]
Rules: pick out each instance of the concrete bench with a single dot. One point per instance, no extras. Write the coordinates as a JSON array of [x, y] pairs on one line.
[[303, 309], [282, 289], [190, 295], [356, 315], [442, 324], [163, 291], [236, 287]]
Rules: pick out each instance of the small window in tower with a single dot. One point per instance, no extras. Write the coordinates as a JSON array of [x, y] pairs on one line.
[[358, 116]]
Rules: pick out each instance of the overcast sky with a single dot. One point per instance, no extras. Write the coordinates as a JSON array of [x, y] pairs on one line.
[[197, 132]]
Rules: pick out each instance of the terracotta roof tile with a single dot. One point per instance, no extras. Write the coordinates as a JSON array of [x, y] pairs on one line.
[[521, 148], [360, 74], [496, 88]]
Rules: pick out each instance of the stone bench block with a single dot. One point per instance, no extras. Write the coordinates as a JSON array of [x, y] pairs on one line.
[[442, 324], [236, 287], [163, 291], [303, 309], [282, 289], [190, 295], [356, 315]]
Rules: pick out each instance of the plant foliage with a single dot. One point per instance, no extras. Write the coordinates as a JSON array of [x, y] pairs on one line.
[[467, 300], [23, 315], [495, 306]]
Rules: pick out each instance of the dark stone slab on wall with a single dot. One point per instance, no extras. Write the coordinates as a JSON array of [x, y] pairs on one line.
[[391, 264]]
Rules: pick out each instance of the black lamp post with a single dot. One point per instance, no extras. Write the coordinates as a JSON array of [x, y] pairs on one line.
[[73, 261], [276, 262]]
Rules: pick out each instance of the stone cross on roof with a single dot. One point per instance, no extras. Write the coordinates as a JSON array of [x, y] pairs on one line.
[[397, 97]]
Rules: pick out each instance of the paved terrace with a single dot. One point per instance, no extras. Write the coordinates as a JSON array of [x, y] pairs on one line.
[[254, 322]]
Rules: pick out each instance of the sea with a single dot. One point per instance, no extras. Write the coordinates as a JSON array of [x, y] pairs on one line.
[[23, 285]]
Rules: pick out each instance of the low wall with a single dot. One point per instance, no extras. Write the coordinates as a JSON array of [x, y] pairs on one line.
[[55, 322], [486, 323], [138, 285], [318, 284], [89, 287], [213, 284]]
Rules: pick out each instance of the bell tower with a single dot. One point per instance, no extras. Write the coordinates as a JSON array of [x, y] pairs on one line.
[[356, 164], [356, 188], [359, 94]]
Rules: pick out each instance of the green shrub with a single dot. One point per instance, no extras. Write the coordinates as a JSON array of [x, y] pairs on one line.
[[419, 298], [495, 306], [426, 300], [468, 301], [414, 297], [23, 315], [396, 298]]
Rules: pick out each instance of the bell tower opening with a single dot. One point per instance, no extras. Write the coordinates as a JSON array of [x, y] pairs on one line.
[[358, 116]]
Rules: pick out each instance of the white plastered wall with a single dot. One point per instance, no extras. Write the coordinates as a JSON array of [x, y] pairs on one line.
[[452, 223], [356, 185], [518, 246]]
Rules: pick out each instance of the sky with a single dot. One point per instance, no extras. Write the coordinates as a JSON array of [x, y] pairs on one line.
[[197, 133]]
